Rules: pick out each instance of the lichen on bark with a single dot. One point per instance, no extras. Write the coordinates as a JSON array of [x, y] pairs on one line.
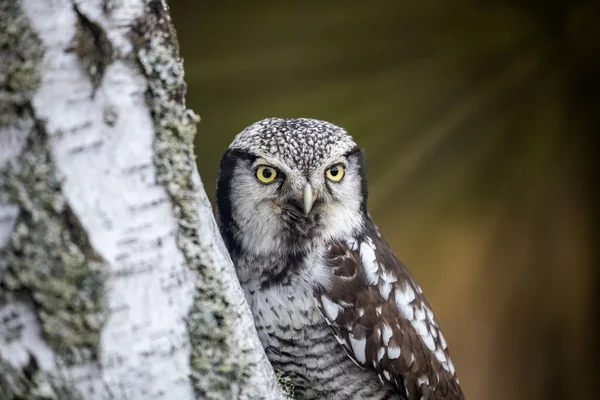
[[47, 260], [48, 257], [31, 383], [20, 53], [215, 367], [286, 385]]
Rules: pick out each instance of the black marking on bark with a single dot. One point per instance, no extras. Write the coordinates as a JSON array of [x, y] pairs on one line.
[[108, 6], [110, 114], [93, 47]]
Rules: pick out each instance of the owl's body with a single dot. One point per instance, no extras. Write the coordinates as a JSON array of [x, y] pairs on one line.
[[296, 337], [336, 311]]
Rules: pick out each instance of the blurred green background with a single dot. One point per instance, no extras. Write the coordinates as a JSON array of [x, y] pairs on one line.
[[477, 118]]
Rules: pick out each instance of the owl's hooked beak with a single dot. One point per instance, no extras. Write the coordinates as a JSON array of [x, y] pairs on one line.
[[309, 198]]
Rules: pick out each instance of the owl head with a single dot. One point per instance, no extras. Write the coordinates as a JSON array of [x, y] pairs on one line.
[[286, 183]]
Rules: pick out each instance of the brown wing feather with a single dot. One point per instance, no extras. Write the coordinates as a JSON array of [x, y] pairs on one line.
[[383, 321]]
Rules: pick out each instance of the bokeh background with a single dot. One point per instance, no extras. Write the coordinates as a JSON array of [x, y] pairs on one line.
[[478, 119]]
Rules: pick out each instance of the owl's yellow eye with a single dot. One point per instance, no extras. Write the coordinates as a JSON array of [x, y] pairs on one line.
[[266, 174], [335, 173]]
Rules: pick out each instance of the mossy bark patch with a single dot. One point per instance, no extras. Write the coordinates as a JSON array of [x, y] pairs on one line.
[[286, 385], [47, 260], [20, 53], [31, 383], [215, 369], [48, 257]]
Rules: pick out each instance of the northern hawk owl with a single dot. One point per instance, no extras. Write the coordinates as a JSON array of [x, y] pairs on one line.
[[335, 309]]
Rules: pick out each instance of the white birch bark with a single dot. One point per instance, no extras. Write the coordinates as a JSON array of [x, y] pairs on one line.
[[114, 281]]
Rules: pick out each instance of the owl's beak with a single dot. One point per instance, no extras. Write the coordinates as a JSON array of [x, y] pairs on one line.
[[309, 198]]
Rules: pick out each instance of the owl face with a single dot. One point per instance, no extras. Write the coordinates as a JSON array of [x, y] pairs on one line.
[[286, 183]]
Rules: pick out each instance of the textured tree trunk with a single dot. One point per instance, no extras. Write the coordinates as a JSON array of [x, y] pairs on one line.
[[114, 281]]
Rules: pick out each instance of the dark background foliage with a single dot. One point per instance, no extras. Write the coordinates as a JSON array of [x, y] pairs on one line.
[[477, 118]]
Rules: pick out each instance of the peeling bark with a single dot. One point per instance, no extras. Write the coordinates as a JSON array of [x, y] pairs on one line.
[[114, 281]]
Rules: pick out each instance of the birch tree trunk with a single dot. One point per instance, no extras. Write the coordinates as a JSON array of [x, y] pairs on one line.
[[114, 281]]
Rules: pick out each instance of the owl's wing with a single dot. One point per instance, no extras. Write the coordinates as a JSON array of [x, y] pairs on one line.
[[383, 321]]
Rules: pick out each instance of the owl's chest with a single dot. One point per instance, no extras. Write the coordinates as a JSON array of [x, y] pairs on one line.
[[286, 312], [282, 298], [298, 341]]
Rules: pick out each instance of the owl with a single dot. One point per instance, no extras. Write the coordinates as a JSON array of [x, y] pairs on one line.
[[335, 309]]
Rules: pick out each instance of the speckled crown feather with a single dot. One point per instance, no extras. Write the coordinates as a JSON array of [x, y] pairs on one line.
[[299, 142]]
